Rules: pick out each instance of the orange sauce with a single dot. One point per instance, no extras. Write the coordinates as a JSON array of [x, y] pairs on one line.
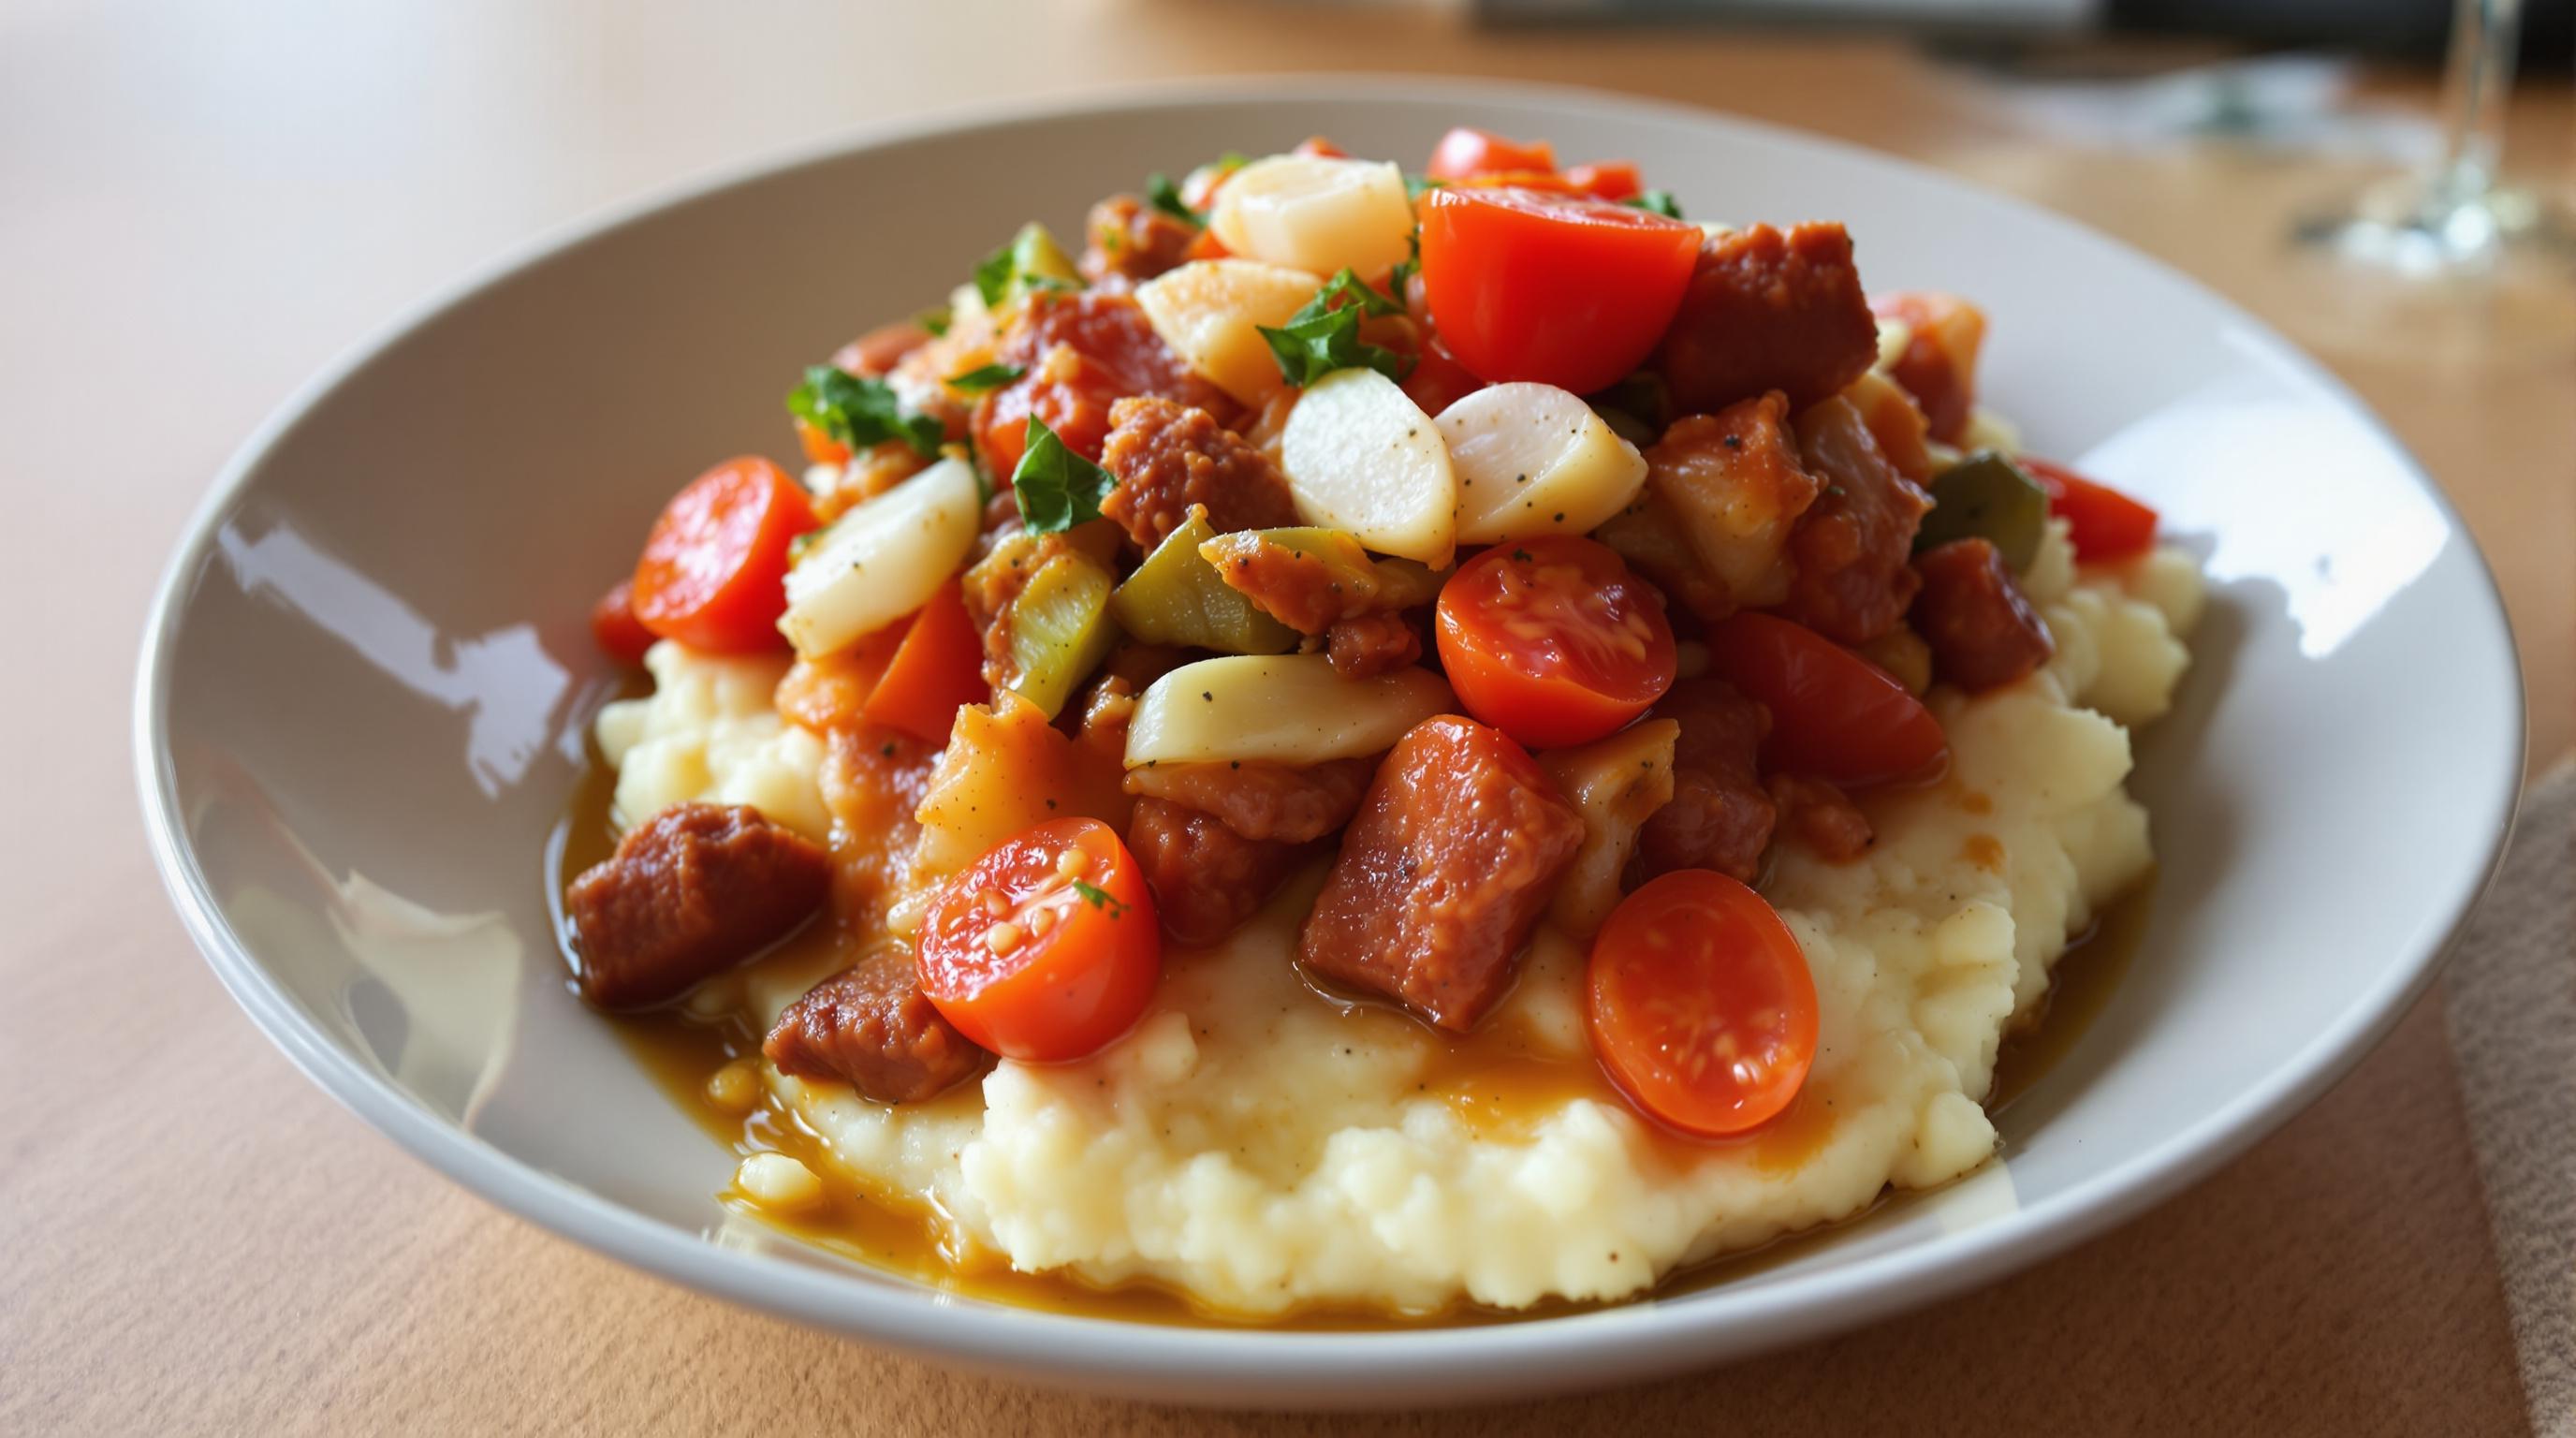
[[1497, 1086]]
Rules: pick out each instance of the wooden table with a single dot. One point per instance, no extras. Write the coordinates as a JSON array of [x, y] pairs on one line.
[[203, 204]]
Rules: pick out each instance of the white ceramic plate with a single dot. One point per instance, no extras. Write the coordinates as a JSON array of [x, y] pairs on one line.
[[365, 682]]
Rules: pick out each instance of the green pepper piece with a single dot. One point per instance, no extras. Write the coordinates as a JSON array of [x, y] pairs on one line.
[[1177, 597], [1986, 496], [1352, 581], [1060, 629]]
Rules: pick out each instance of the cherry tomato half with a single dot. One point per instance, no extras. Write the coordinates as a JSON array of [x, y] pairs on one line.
[[1606, 179], [613, 625], [2103, 522], [714, 570], [1553, 640], [1561, 289], [1046, 948], [1700, 1004], [1834, 715], [1463, 154]]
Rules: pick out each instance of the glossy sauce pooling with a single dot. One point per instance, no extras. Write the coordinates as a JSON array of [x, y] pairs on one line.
[[1495, 1085]]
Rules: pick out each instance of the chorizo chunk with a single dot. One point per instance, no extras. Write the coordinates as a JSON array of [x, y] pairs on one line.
[[1169, 456], [1080, 354], [1206, 878], [1851, 580], [1822, 818], [1259, 799], [1736, 486], [1133, 240], [1454, 854], [690, 892], [1371, 644], [1719, 817], [1982, 631], [1939, 365], [870, 1026], [1769, 310], [1315, 579]]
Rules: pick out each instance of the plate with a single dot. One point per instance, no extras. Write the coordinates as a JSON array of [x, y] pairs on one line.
[[365, 683]]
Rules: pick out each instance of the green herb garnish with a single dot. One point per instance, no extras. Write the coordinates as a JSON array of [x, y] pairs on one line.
[[1031, 261], [1100, 898], [860, 413], [1165, 196], [983, 378], [1659, 202], [1057, 488], [1324, 335]]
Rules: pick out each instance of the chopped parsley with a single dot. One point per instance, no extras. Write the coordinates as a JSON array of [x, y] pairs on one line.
[[1659, 202], [1414, 185], [1031, 261], [1165, 196], [1100, 898], [1399, 278], [1057, 488], [936, 319], [983, 378], [1325, 335], [860, 413]]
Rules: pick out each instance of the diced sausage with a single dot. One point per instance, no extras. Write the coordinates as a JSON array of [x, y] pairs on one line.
[[690, 892], [1133, 240], [1169, 456], [1769, 310], [1311, 588], [1371, 644], [1983, 632], [1258, 799], [881, 349], [1851, 580], [1821, 818], [873, 779], [1206, 878], [1455, 852], [870, 1027], [1720, 817], [1939, 365], [1081, 354], [1736, 486]]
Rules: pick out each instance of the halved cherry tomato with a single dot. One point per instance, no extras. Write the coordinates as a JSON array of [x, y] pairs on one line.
[[1463, 154], [1553, 640], [713, 575], [882, 348], [1606, 179], [1316, 147], [620, 635], [1046, 948], [1562, 289], [1700, 1004], [1834, 715], [938, 667], [2103, 522]]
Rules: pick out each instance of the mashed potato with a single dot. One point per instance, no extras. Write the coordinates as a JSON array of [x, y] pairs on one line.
[[1260, 1148]]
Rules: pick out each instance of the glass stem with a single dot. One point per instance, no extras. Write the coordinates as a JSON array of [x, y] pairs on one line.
[[2478, 78]]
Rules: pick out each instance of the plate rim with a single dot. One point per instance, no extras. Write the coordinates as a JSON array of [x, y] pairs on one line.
[[1213, 1363]]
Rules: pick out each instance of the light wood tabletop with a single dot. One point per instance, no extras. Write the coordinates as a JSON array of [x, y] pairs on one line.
[[204, 202]]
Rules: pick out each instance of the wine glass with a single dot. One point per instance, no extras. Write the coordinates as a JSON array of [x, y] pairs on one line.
[[2463, 261]]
